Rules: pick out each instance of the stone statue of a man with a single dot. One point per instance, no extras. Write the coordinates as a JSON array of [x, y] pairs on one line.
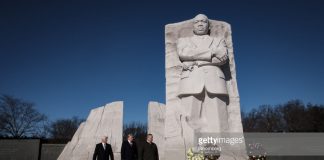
[[202, 88]]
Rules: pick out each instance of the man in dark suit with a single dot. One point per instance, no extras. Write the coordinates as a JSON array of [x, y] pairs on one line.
[[129, 149], [103, 150], [149, 150]]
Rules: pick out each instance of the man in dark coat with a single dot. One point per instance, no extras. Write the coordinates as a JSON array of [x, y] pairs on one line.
[[149, 150], [129, 149], [103, 150]]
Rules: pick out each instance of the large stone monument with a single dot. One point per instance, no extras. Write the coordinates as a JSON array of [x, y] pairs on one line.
[[103, 121], [156, 125], [201, 100], [201, 87]]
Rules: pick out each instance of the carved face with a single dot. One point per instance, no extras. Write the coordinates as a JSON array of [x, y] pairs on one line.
[[201, 24]]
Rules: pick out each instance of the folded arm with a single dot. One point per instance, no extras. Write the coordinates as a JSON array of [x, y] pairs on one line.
[[220, 54], [193, 54], [216, 54]]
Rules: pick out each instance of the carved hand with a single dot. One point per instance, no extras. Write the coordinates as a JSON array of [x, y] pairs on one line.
[[219, 60], [189, 66]]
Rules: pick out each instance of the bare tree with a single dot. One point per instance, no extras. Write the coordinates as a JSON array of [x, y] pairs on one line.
[[138, 129], [316, 117], [19, 118], [270, 119], [292, 116], [249, 120], [65, 128], [295, 116]]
